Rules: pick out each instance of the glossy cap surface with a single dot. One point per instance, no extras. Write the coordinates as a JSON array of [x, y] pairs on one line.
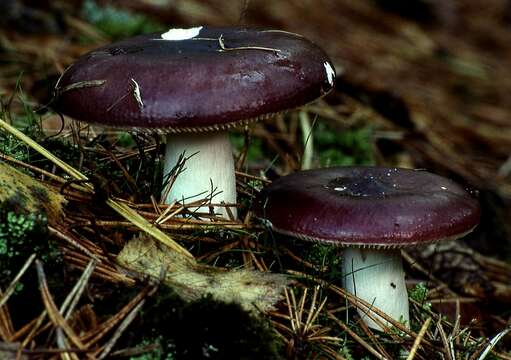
[[373, 207], [195, 79]]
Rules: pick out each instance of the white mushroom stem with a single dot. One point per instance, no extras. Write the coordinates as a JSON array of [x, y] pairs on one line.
[[212, 165], [377, 277]]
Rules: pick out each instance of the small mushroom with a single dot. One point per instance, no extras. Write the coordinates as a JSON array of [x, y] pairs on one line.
[[193, 85], [372, 212]]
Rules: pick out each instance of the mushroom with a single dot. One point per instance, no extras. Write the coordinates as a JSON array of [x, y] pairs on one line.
[[372, 212], [193, 85]]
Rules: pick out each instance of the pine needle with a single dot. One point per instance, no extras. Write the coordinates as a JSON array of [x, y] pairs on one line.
[[122, 209]]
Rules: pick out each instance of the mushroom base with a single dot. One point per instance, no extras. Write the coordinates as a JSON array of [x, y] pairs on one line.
[[377, 277], [209, 168]]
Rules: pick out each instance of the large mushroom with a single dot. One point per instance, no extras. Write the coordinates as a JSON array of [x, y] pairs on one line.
[[372, 212], [192, 85]]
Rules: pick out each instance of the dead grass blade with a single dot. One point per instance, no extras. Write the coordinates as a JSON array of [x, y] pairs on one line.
[[122, 327], [357, 338], [55, 316], [418, 339], [95, 335], [491, 343], [12, 286]]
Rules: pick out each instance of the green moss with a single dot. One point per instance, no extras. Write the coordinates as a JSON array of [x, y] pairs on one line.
[[125, 139], [328, 258], [14, 148], [156, 353], [21, 235], [63, 149], [343, 147], [419, 293], [206, 329], [345, 352], [26, 120]]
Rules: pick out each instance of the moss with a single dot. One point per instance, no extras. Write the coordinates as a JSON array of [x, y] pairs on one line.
[[206, 329], [419, 293], [21, 235], [14, 148], [326, 258], [63, 149], [343, 147], [155, 354], [26, 207]]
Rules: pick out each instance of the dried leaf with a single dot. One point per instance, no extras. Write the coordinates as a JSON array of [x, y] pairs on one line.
[[251, 289]]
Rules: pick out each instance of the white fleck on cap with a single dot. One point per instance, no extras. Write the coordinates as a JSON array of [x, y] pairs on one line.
[[181, 34], [330, 72]]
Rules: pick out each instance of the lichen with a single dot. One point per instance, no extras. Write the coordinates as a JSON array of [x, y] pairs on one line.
[[22, 194]]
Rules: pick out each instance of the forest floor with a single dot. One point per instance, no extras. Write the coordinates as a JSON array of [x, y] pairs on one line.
[[426, 86]]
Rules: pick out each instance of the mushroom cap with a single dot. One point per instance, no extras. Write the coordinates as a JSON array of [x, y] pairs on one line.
[[195, 79], [374, 207]]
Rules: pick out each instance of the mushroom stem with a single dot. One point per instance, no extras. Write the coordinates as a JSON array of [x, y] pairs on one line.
[[377, 277], [211, 166]]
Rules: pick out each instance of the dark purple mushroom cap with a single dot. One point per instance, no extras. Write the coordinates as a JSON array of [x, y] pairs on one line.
[[212, 78], [373, 207]]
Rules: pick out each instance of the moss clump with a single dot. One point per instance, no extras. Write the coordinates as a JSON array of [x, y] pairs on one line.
[[326, 259], [14, 148], [206, 329], [343, 147], [26, 207], [20, 236], [155, 354]]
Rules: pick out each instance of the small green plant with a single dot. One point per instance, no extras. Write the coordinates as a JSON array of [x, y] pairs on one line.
[[326, 258], [345, 352], [125, 139], [155, 354], [20, 236], [14, 148], [420, 293], [27, 120], [17, 226]]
